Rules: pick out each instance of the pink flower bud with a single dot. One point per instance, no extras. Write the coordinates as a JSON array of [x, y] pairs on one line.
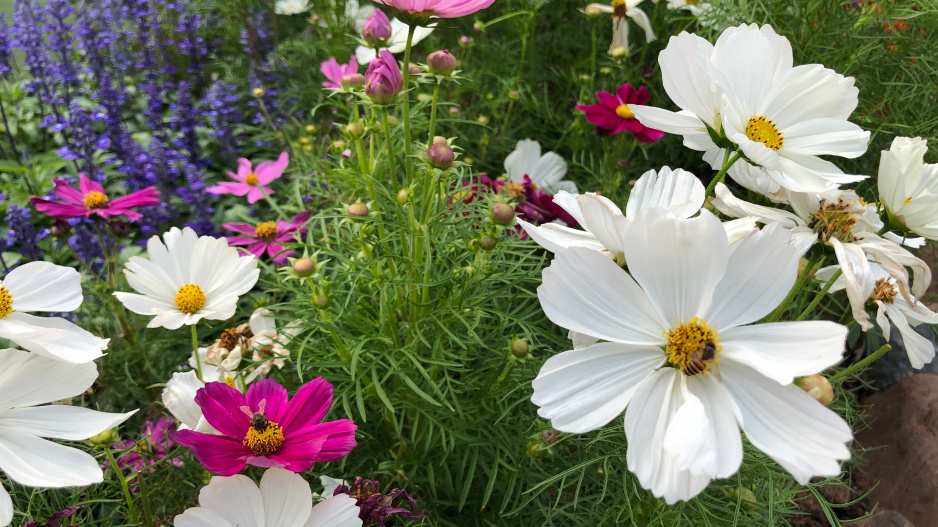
[[383, 78], [440, 156], [503, 213], [441, 63], [352, 81], [465, 41], [358, 209], [377, 28]]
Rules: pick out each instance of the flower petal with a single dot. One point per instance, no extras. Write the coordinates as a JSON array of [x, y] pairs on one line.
[[43, 286], [286, 498], [235, 498], [676, 190], [30, 460], [556, 238], [336, 511], [28, 379], [221, 405], [785, 350], [53, 337], [61, 421], [200, 517], [6, 507]]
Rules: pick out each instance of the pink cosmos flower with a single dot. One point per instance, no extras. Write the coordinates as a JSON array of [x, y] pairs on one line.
[[253, 182], [334, 72], [267, 237], [383, 78], [89, 199], [612, 113], [142, 455], [438, 8], [265, 429]]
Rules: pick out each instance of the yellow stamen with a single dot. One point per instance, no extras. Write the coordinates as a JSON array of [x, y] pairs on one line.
[[884, 291], [6, 302], [833, 220], [693, 347], [763, 130], [625, 112], [230, 381], [190, 298], [266, 231], [95, 200], [251, 179], [908, 200], [264, 440]]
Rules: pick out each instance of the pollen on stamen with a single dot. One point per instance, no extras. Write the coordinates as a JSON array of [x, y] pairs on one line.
[[266, 441], [266, 231], [95, 200], [6, 302], [624, 112], [763, 130], [884, 291], [190, 298], [251, 179], [693, 347]]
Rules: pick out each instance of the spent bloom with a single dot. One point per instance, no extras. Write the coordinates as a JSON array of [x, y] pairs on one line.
[[545, 170], [376, 506], [188, 278], [395, 43], [91, 200], [334, 71], [745, 93], [28, 380], [621, 10], [383, 79], [683, 358], [266, 429], [253, 182], [56, 519], [283, 499], [377, 28], [268, 237], [613, 113], [137, 456], [424, 10], [46, 287], [908, 187]]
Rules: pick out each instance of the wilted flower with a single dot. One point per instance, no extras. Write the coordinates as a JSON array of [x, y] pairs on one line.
[[55, 519], [375, 506], [614, 114], [90, 200], [268, 237], [384, 79], [336, 72], [620, 10], [908, 187], [251, 182]]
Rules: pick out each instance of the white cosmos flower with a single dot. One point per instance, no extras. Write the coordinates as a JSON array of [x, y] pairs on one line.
[[908, 187], [677, 190], [620, 10], [45, 287], [283, 499], [189, 278], [546, 171], [879, 287], [28, 380], [396, 43], [690, 291], [291, 7], [779, 115], [696, 7]]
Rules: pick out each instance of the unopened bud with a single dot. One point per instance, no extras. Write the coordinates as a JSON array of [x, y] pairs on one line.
[[120, 228], [403, 196], [60, 229], [304, 266], [441, 63], [439, 140], [468, 160], [358, 209], [393, 121], [310, 128], [514, 95], [413, 69], [618, 53], [593, 11], [818, 387], [488, 241], [440, 156], [483, 119], [605, 70], [423, 97], [321, 300], [104, 439], [354, 130], [258, 92], [745, 497], [338, 145], [477, 27], [648, 72], [503, 213], [520, 348], [584, 77], [453, 110], [465, 41], [352, 81], [550, 436], [377, 28]]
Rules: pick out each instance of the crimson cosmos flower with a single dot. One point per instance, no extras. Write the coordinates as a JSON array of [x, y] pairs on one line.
[[612, 113], [267, 236], [265, 429], [89, 199]]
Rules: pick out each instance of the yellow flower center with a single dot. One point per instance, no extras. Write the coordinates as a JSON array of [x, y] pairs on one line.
[[6, 302], [264, 437], [625, 112], [190, 298], [230, 381], [884, 291], [833, 220], [763, 130], [693, 347], [266, 231], [251, 179], [95, 200], [908, 200]]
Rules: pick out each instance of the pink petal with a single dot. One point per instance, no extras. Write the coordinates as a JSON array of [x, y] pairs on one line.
[[219, 454], [608, 99], [269, 461], [258, 249], [221, 405], [57, 210], [243, 228], [640, 96], [625, 93], [117, 211], [308, 407], [86, 185], [226, 187], [275, 396], [234, 241], [271, 170], [602, 116], [300, 457], [142, 198], [331, 70], [257, 193], [244, 170], [649, 135], [62, 190], [340, 439]]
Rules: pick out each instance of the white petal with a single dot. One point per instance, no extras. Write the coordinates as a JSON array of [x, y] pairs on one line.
[[262, 319], [581, 340], [337, 511], [145, 305], [584, 389], [826, 136], [721, 413], [179, 397], [287, 498], [52, 337], [921, 351], [676, 190], [522, 160], [568, 202], [235, 498], [738, 229], [200, 517], [549, 170], [556, 238], [811, 91], [43, 286], [734, 207], [28, 379], [61, 421], [603, 219], [680, 123], [678, 262], [690, 438], [642, 21], [6, 508], [786, 423], [330, 484], [894, 260], [857, 278], [650, 411], [785, 350], [745, 80], [36, 462], [585, 291], [688, 77]]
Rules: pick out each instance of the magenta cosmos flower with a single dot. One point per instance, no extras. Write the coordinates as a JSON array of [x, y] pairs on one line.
[[335, 71], [267, 237], [89, 199], [265, 429], [612, 113], [253, 182], [383, 79], [438, 8]]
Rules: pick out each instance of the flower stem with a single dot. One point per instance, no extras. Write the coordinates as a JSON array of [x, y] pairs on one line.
[[802, 278], [273, 204], [817, 298], [387, 135], [131, 510], [727, 163], [195, 350], [436, 96], [408, 162], [144, 498], [862, 364]]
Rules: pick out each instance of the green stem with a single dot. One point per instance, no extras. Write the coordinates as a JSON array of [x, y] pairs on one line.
[[387, 135], [408, 162], [436, 96], [593, 54], [195, 350], [270, 121], [817, 298], [727, 163], [862, 364], [802, 278], [131, 510], [145, 498]]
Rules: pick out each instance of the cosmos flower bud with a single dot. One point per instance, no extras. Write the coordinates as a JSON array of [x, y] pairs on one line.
[[321, 300], [311, 128], [745, 497], [358, 209], [413, 68], [383, 79], [119, 228], [818, 387], [354, 130], [104, 439], [618, 53], [440, 156], [514, 95], [520, 348], [488, 241], [550, 436], [593, 11], [483, 119], [258, 92], [503, 213], [465, 41], [304, 266], [61, 229], [441, 63], [352, 81], [477, 27], [439, 140], [377, 28], [403, 196]]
